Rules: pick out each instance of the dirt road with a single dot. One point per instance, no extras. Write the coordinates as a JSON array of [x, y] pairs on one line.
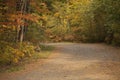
[[72, 61]]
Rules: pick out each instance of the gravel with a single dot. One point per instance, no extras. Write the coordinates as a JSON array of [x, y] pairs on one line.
[[73, 61]]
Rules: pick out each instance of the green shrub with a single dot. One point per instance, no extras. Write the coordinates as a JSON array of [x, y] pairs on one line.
[[28, 49], [12, 54], [9, 55]]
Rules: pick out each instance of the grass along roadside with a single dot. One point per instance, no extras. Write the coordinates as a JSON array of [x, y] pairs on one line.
[[43, 54]]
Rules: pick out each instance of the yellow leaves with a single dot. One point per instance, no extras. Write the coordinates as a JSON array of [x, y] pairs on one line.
[[81, 2], [39, 6], [86, 2], [64, 21], [14, 27], [44, 17], [28, 50], [15, 60], [6, 27], [17, 56], [57, 14], [10, 54]]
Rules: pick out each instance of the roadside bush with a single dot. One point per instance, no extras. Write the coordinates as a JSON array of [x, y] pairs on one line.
[[13, 54], [28, 49], [9, 55]]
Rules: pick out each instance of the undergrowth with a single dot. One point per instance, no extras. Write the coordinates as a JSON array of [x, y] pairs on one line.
[[13, 57]]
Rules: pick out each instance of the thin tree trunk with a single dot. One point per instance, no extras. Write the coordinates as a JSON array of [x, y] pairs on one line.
[[20, 33]]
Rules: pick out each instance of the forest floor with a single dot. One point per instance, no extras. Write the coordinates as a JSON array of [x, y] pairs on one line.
[[73, 61]]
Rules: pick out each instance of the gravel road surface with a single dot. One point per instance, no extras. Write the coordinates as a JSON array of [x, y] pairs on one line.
[[73, 61]]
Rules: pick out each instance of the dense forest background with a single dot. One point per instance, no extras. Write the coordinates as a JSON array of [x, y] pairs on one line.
[[26, 23]]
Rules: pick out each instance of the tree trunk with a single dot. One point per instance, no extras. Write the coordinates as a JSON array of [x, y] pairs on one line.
[[23, 4]]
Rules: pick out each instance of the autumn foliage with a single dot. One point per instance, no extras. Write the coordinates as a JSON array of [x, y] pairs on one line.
[[17, 19], [29, 22]]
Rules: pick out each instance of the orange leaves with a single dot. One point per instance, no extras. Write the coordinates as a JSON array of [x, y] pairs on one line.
[[14, 16], [19, 19], [31, 17]]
